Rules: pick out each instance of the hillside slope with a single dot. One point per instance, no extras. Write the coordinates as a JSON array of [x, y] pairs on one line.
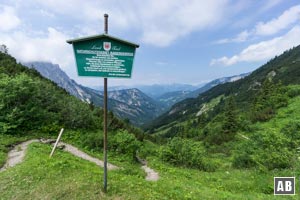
[[283, 68], [30, 102]]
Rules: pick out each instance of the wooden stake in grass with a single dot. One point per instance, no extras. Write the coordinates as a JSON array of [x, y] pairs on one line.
[[56, 143]]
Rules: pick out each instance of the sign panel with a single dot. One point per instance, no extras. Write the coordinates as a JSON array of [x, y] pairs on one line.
[[104, 57]]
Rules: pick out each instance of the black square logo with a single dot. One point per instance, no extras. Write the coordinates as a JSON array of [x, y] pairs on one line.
[[284, 185]]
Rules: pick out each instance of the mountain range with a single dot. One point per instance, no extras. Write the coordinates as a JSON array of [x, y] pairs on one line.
[[139, 105], [129, 104], [156, 90]]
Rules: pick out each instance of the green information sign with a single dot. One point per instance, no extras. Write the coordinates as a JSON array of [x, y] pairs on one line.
[[104, 56]]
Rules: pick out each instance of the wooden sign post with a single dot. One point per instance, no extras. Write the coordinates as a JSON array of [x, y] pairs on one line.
[[108, 57]]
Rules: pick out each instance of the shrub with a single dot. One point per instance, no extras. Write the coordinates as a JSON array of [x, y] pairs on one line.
[[51, 129], [125, 143], [93, 141], [148, 149], [293, 91], [270, 150], [243, 160], [187, 153], [292, 131]]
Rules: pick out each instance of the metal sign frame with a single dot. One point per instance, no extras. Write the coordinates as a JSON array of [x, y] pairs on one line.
[[104, 56]]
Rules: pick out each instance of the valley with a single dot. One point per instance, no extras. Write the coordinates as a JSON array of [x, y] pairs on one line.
[[139, 104], [149, 100], [215, 146]]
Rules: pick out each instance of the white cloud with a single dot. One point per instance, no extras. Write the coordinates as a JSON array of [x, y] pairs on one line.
[[284, 21], [50, 47], [263, 51], [164, 23], [241, 37], [159, 22], [8, 18]]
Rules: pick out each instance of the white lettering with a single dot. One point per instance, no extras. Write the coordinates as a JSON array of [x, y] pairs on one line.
[[121, 53], [288, 186], [95, 47], [115, 48], [280, 186]]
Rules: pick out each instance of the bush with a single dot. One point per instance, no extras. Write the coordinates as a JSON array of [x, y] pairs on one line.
[[243, 160], [292, 131], [148, 149], [293, 91], [270, 150], [187, 153], [274, 150], [213, 134], [125, 143], [51, 129], [93, 141]]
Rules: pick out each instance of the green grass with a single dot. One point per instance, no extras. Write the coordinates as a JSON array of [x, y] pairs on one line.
[[67, 177], [161, 131], [63, 177], [284, 116]]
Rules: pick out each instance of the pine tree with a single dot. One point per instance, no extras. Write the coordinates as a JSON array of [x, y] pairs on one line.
[[202, 120], [270, 97], [230, 124]]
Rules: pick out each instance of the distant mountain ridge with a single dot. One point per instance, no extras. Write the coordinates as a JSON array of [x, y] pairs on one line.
[[173, 97], [216, 82], [129, 104], [155, 90], [169, 94], [55, 74]]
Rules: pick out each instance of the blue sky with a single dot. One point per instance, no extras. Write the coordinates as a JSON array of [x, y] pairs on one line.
[[181, 41]]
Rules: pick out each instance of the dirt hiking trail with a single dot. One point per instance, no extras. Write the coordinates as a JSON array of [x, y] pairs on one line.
[[17, 154]]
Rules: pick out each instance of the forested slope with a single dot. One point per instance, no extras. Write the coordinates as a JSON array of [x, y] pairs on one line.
[[29, 102]]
